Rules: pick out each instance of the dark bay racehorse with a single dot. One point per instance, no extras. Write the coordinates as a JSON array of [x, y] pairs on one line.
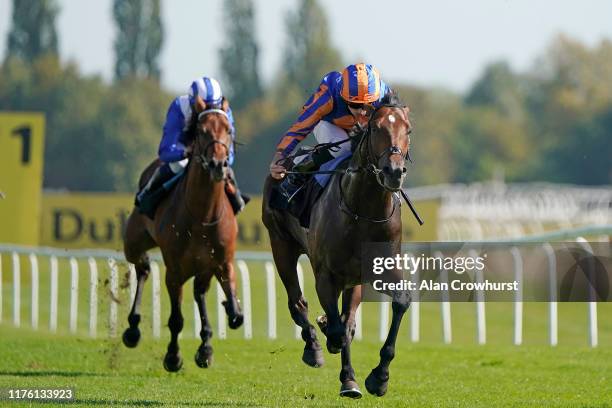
[[196, 230], [358, 206]]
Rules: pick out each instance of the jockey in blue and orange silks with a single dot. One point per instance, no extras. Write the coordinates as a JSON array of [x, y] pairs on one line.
[[175, 145], [341, 101]]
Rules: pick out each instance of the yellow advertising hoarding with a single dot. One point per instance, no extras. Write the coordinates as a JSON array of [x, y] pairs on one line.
[[84, 220], [96, 220], [21, 164]]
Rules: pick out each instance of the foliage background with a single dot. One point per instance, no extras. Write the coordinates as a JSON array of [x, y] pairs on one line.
[[552, 122]]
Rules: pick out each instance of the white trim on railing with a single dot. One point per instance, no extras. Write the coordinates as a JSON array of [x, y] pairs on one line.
[[93, 297], [34, 292], [112, 259], [53, 287], [592, 306], [246, 298], [518, 296], [16, 290], [74, 294]]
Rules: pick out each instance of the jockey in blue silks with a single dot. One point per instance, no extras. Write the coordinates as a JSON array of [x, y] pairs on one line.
[[174, 148]]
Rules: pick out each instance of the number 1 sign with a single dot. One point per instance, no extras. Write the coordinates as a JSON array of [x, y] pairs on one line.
[[21, 167]]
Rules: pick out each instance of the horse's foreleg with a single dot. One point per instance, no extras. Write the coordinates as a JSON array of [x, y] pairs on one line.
[[204, 355], [286, 256], [227, 279], [173, 361], [350, 301], [377, 381], [328, 297], [131, 335]]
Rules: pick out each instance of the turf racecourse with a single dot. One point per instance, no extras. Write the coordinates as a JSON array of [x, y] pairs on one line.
[[269, 373]]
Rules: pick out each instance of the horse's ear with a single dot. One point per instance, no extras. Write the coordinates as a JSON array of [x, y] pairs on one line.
[[225, 104], [199, 104]]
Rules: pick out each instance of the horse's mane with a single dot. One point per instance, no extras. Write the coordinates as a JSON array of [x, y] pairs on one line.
[[391, 98]]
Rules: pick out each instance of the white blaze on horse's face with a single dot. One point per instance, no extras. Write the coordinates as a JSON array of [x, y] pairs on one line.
[[391, 149]]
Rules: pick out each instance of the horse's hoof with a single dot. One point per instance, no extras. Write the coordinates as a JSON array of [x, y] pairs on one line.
[[204, 356], [375, 385], [235, 322], [173, 362], [350, 389], [131, 337], [313, 357]]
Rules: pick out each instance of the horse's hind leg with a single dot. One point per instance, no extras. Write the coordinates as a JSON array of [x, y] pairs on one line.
[[173, 361], [131, 335], [350, 301], [286, 255], [377, 381], [136, 243], [204, 355]]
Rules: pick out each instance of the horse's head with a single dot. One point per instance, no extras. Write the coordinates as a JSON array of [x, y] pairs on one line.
[[388, 142], [211, 145]]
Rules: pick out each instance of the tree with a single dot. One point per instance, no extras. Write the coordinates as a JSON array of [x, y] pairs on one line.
[[309, 53], [584, 156], [140, 38], [501, 89], [33, 31], [239, 57]]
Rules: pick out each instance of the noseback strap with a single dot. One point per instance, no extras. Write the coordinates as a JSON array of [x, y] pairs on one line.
[[207, 111]]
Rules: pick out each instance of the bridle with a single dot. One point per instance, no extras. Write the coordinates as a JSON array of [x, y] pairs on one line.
[[372, 168], [207, 163], [371, 165]]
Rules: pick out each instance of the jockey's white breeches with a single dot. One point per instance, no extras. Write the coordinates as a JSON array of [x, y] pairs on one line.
[[326, 132]]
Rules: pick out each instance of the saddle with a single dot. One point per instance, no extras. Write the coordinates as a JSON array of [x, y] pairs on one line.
[[300, 203], [147, 204]]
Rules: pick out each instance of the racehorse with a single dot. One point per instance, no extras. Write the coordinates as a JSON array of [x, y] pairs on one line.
[[196, 230], [359, 205]]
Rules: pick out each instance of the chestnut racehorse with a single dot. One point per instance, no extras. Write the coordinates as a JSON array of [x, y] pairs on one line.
[[359, 205], [195, 228]]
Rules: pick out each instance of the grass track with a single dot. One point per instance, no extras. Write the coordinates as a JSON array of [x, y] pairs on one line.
[[260, 372], [269, 373]]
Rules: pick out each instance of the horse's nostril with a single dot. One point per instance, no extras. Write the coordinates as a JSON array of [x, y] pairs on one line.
[[225, 163], [404, 170]]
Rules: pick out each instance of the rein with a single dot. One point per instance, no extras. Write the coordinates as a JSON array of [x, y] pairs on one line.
[[202, 156], [371, 166], [205, 162]]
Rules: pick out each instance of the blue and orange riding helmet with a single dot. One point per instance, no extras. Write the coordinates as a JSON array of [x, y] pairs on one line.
[[360, 84]]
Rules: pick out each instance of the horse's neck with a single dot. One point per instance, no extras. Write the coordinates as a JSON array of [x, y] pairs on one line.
[[202, 194], [362, 193]]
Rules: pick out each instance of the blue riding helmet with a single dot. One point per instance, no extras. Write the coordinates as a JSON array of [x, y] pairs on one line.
[[208, 89]]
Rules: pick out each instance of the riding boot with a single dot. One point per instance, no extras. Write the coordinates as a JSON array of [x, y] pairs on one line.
[[295, 181], [148, 198], [235, 197]]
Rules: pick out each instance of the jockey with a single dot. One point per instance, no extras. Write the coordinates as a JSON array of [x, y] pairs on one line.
[[341, 101], [175, 146]]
